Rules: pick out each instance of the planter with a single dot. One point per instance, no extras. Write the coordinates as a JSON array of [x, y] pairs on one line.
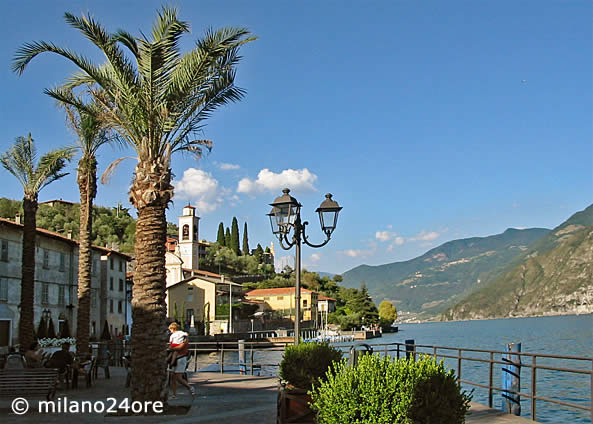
[[293, 406]]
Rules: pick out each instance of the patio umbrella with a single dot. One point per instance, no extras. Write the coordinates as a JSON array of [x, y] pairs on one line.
[[51, 331], [65, 330], [106, 335], [42, 329]]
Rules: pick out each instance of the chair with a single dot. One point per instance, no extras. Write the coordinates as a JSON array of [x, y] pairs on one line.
[[15, 361], [128, 366]]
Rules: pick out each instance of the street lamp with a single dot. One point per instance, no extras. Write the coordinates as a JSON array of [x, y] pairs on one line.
[[285, 217]]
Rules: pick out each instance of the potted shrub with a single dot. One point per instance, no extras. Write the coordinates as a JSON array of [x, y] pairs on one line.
[[382, 390], [301, 367]]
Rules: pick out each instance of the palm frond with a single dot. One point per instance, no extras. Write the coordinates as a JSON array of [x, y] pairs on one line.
[[108, 173]]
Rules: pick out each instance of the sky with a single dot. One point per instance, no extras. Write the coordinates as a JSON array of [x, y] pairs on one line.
[[428, 121]]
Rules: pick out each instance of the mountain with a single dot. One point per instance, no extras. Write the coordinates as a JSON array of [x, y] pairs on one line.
[[555, 276], [425, 286]]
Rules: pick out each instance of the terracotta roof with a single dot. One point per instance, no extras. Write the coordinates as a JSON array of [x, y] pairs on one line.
[[189, 206], [62, 237], [322, 297], [275, 291]]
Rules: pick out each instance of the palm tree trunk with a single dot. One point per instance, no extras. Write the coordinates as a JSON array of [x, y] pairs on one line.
[[26, 327], [87, 185], [151, 192]]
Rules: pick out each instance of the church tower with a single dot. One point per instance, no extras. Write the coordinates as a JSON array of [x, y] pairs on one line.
[[188, 238]]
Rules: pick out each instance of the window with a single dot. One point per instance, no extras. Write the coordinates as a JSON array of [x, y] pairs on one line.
[[62, 262], [110, 283], [120, 307], [4, 251], [304, 303], [121, 285], [185, 232], [121, 265], [111, 262], [280, 298], [61, 295], [111, 305], [94, 328], [45, 293], [3, 290], [95, 266], [93, 298], [45, 259]]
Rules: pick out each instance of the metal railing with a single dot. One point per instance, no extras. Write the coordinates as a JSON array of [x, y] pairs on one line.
[[460, 357]]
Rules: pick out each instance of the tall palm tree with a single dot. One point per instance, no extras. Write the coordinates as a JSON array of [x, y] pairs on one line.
[[157, 99], [92, 134], [21, 161]]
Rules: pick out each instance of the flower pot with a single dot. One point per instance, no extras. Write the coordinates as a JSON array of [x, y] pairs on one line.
[[293, 406]]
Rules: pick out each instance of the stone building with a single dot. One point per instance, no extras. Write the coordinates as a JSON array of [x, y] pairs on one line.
[[56, 283]]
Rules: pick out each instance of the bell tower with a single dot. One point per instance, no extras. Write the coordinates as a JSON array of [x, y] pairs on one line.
[[188, 238]]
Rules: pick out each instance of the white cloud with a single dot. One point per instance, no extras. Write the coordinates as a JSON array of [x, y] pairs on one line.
[[228, 166], [425, 236], [385, 235], [357, 253], [315, 257], [295, 179], [201, 188]]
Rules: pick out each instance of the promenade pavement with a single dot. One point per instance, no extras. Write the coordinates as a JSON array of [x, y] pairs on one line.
[[220, 398]]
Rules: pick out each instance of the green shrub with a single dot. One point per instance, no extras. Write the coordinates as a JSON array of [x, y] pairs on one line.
[[303, 364], [382, 390]]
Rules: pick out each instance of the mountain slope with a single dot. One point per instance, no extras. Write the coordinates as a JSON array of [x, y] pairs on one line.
[[554, 277], [429, 283]]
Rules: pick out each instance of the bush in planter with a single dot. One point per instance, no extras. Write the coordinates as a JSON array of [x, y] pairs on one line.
[[303, 364], [381, 390]]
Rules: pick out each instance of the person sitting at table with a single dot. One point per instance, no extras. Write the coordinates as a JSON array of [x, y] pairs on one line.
[[34, 356], [61, 359]]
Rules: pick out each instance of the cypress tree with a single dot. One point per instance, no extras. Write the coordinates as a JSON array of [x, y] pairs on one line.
[[227, 237], [245, 242], [259, 253], [220, 235], [235, 237]]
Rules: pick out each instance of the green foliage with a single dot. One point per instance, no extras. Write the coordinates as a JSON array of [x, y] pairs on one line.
[[220, 235], [304, 364], [385, 391], [227, 238], [245, 246], [259, 254], [235, 237], [387, 311], [172, 229]]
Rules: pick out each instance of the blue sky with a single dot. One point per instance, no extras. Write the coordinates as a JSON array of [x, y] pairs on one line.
[[428, 121]]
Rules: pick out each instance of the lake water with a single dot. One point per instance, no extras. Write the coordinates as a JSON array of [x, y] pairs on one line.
[[565, 335]]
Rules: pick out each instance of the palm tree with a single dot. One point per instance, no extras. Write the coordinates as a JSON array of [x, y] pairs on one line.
[[157, 99], [21, 161], [92, 134]]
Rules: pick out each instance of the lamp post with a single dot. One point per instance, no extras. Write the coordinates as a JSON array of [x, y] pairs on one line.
[[285, 219]]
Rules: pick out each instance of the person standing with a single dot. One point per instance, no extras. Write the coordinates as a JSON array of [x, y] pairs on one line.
[[178, 342]]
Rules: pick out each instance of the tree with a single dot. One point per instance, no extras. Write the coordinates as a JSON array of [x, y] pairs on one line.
[[21, 161], [387, 311], [259, 254], [220, 235], [92, 134], [227, 238], [245, 246], [235, 237], [156, 99]]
